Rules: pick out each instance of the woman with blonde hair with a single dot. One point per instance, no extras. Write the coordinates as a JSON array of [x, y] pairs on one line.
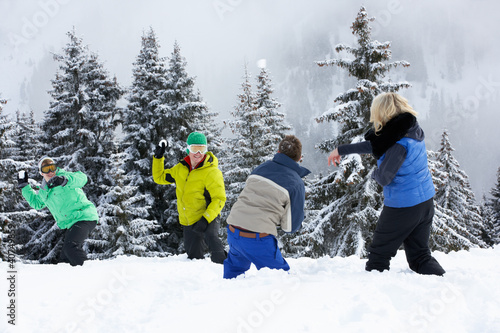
[[397, 141]]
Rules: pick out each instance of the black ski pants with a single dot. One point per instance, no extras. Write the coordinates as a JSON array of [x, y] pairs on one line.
[[72, 251], [196, 243], [411, 227]]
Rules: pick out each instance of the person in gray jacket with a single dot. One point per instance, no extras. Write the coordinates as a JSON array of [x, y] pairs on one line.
[[274, 196]]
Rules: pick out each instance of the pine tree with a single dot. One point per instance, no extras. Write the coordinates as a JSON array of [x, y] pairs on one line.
[[26, 147], [258, 127], [186, 112], [493, 205], [455, 198], [111, 209], [238, 165], [237, 161], [101, 117], [5, 126], [275, 126], [26, 138], [491, 226], [145, 123], [6, 186], [119, 232], [19, 140], [345, 204], [447, 234], [80, 123], [78, 128], [62, 121]]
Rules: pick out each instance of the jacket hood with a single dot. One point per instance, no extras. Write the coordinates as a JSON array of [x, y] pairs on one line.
[[44, 186], [416, 132]]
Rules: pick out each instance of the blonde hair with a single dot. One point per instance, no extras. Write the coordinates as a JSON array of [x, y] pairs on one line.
[[387, 106]]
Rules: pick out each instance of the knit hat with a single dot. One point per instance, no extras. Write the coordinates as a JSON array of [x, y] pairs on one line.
[[41, 161], [196, 138]]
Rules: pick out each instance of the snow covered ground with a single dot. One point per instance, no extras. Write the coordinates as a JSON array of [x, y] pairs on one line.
[[174, 294]]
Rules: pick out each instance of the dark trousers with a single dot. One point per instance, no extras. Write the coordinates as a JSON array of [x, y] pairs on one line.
[[196, 243], [72, 251], [411, 227]]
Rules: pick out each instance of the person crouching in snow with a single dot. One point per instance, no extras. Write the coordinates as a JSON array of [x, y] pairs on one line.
[[274, 195], [397, 141], [201, 195], [61, 192]]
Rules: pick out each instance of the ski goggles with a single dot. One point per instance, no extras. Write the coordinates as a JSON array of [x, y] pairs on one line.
[[48, 168], [197, 149]]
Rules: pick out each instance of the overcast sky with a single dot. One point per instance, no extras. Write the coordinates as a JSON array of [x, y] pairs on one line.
[[216, 36]]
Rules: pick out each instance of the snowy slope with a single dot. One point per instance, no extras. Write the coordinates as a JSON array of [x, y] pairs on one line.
[[174, 294]]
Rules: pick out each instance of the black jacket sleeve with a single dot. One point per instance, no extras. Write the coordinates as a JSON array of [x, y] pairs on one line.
[[394, 158], [364, 147]]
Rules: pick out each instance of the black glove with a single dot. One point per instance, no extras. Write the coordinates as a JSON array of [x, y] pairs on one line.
[[161, 148], [57, 181], [200, 226], [22, 179]]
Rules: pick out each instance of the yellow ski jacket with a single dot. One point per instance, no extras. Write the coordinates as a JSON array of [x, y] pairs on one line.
[[200, 192]]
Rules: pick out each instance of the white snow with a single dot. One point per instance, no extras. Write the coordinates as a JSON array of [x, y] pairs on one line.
[[174, 294]]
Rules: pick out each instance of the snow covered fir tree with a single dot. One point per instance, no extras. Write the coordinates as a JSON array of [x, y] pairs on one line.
[[6, 189], [77, 131], [491, 214], [145, 123], [457, 222], [115, 234], [162, 104], [18, 145], [258, 127], [185, 112], [344, 205], [23, 153], [275, 125], [237, 165]]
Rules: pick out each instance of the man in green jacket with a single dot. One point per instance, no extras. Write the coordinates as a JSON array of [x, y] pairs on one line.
[[61, 192], [200, 195]]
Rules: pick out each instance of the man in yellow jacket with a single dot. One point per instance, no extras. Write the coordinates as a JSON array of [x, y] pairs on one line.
[[200, 195]]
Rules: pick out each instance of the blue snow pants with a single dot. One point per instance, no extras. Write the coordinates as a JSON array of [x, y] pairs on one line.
[[261, 251]]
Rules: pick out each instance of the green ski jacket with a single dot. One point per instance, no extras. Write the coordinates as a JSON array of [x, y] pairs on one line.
[[68, 204]]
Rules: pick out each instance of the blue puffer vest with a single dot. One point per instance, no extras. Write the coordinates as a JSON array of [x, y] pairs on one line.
[[412, 184]]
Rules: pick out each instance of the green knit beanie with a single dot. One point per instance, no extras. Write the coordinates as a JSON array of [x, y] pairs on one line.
[[196, 138]]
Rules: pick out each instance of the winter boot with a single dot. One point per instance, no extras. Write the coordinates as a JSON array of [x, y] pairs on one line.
[[429, 267]]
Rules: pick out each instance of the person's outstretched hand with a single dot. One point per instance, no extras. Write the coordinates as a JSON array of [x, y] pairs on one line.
[[57, 181], [334, 158]]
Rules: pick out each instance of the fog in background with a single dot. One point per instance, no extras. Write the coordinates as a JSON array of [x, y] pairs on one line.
[[452, 47]]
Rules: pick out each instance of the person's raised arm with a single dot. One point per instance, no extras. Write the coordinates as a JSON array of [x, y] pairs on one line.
[[364, 147]]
